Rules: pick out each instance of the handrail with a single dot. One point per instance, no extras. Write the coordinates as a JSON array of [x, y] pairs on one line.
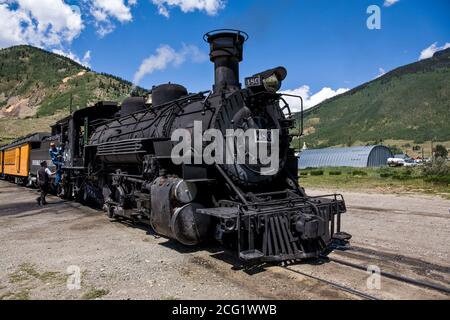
[[301, 127]]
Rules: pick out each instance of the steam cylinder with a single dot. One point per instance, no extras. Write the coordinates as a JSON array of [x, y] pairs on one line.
[[174, 212]]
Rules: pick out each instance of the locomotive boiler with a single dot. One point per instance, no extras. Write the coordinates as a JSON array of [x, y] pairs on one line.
[[122, 159]]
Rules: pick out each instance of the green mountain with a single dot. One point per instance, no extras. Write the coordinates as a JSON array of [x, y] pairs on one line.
[[38, 87], [409, 105]]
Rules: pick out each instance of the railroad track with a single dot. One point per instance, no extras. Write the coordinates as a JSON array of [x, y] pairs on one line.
[[398, 211], [364, 295], [367, 259], [336, 285], [416, 264], [367, 256], [393, 276]]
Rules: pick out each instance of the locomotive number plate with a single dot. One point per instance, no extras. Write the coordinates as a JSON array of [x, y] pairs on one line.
[[253, 82]]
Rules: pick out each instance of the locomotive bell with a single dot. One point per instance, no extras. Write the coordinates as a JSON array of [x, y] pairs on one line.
[[226, 51]]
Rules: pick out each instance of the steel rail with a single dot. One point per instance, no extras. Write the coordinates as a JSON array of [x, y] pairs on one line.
[[416, 282], [336, 285]]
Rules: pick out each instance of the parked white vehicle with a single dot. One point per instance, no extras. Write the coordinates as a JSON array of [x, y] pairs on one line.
[[410, 163], [398, 162], [395, 162]]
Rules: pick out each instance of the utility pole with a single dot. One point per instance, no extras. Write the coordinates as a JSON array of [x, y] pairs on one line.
[[70, 105], [432, 153]]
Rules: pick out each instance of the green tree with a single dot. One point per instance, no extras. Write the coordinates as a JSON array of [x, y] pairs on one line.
[[441, 151], [395, 149]]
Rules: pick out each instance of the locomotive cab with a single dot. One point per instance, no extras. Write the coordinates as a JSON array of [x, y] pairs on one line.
[[75, 129]]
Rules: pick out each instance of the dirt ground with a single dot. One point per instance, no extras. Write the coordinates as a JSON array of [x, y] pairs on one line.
[[44, 251]]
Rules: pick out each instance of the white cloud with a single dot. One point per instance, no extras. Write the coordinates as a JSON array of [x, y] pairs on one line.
[[167, 56], [381, 72], [85, 61], [105, 11], [309, 100], [44, 23], [210, 7], [431, 50], [388, 3], [118, 9]]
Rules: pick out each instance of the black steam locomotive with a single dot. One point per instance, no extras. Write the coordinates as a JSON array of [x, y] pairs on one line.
[[120, 158]]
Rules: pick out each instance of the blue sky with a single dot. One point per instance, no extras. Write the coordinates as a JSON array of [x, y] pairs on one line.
[[322, 43]]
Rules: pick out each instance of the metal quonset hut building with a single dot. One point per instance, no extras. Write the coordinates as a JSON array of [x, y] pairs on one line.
[[360, 157]]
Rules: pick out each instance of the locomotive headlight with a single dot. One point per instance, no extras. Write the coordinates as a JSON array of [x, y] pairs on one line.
[[272, 84], [269, 80]]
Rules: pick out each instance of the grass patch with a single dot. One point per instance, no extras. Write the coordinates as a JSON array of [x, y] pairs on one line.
[[27, 271], [359, 173], [18, 277], [24, 272], [303, 174], [52, 276], [5, 296], [398, 180], [386, 175], [23, 294], [94, 293], [438, 180]]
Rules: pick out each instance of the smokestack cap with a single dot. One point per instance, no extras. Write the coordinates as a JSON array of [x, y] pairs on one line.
[[226, 43]]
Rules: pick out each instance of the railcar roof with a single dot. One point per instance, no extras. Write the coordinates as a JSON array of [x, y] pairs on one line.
[[34, 137]]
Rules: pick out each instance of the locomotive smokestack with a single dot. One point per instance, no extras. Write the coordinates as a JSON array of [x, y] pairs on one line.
[[226, 51]]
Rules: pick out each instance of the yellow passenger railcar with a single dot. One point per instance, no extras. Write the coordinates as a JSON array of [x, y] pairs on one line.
[[1, 162], [17, 161]]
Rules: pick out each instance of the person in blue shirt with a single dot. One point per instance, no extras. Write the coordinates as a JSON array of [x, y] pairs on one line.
[[57, 159]]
